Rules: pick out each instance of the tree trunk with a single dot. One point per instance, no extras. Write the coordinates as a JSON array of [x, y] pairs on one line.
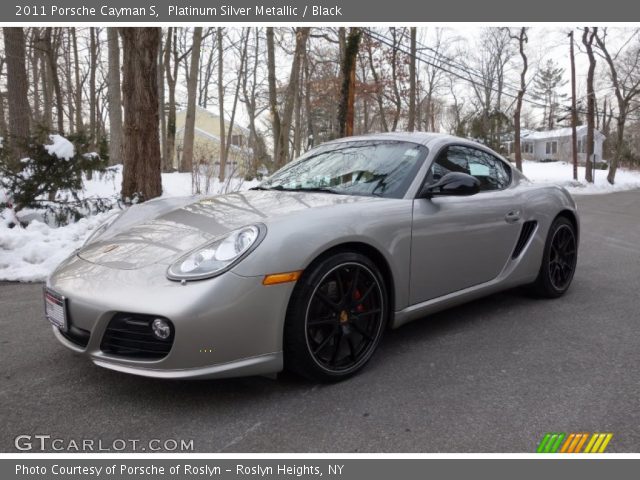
[[223, 140], [186, 165], [115, 98], [273, 95], [587, 40], [93, 67], [574, 111], [347, 92], [412, 82], [522, 39], [161, 113], [51, 46], [171, 72], [17, 84], [141, 142], [78, 90]]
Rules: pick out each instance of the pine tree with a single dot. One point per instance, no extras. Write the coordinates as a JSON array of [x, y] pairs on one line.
[[546, 85]]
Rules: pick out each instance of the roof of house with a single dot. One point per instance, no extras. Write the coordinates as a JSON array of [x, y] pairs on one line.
[[211, 114], [557, 133], [211, 136]]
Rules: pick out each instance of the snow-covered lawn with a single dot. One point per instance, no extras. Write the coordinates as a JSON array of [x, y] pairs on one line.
[[561, 173], [30, 254]]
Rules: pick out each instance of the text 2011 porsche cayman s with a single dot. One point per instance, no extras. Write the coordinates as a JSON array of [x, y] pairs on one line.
[[308, 269]]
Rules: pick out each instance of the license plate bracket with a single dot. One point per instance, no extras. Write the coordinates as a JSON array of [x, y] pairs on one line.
[[55, 309]]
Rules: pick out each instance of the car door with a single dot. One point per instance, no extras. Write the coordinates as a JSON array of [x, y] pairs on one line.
[[461, 241]]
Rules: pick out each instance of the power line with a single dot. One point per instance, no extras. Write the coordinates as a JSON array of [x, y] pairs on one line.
[[431, 60]]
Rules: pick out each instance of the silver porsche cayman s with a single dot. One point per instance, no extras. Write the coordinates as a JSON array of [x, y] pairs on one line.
[[308, 269]]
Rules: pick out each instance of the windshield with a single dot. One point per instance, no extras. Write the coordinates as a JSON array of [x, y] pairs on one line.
[[372, 167]]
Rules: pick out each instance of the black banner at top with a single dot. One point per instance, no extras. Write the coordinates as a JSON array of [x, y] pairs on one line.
[[312, 11]]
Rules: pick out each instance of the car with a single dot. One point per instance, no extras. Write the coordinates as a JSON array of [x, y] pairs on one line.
[[307, 270]]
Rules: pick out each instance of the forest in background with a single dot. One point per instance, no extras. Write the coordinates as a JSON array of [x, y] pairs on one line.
[[115, 93]]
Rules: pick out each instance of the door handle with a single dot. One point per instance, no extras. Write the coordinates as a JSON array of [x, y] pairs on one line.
[[512, 217]]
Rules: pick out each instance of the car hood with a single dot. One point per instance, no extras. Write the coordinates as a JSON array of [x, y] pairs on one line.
[[161, 231]]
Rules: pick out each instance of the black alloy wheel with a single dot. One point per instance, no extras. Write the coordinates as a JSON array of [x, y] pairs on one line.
[[559, 260], [336, 318]]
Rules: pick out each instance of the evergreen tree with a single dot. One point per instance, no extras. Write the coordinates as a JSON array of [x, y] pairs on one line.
[[546, 85]]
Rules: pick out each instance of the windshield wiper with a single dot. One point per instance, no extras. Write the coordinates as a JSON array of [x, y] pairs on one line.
[[280, 188]]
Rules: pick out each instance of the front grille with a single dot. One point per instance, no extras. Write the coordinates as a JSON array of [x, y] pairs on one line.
[[130, 335], [525, 234], [76, 335]]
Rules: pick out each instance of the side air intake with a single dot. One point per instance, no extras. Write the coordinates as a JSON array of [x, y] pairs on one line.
[[525, 234]]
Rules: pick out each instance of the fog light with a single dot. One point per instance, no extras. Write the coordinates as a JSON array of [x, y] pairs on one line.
[[161, 328]]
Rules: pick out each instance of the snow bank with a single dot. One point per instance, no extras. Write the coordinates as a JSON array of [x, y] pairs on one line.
[[30, 254]]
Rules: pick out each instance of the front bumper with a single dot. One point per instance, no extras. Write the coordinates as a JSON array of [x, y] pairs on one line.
[[226, 326]]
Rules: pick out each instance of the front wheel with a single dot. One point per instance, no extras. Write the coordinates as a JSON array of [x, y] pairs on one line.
[[558, 261], [335, 318]]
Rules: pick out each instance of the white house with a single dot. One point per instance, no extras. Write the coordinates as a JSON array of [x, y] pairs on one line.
[[556, 145]]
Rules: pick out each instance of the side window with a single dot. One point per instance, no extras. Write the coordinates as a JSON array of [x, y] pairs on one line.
[[492, 173]]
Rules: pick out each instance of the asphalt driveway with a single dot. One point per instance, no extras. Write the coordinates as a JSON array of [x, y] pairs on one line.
[[494, 375]]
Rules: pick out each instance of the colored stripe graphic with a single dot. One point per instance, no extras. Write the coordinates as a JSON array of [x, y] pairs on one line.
[[573, 442]]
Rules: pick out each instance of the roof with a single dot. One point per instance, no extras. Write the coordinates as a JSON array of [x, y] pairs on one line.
[[557, 133], [211, 114], [211, 136]]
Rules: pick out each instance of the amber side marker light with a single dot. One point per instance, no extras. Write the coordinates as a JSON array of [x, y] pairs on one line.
[[276, 278]]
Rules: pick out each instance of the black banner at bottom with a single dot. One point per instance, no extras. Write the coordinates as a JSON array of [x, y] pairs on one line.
[[310, 468]]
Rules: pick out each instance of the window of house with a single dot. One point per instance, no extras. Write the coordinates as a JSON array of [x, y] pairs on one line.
[[237, 140], [526, 147], [552, 148]]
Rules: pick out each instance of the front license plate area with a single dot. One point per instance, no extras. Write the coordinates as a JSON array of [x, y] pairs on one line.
[[55, 309]]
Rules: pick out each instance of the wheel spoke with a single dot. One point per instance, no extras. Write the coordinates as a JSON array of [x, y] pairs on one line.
[[352, 349], [357, 328], [365, 294], [327, 301], [322, 321], [336, 349], [325, 342], [354, 284], [365, 314]]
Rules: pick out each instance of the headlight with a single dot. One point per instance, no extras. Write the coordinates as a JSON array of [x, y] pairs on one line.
[[218, 256]]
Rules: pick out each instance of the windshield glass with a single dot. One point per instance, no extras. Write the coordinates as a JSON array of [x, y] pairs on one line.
[[370, 167]]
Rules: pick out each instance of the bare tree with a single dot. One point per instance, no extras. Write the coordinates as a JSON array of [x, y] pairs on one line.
[[347, 92], [186, 165], [17, 85], [141, 141], [574, 110], [115, 98], [624, 72], [412, 81], [522, 39], [281, 123], [588, 36]]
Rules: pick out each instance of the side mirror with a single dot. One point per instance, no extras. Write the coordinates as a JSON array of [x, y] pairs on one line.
[[453, 183]]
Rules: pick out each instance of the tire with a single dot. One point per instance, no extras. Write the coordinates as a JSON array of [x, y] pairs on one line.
[[558, 260], [336, 317]]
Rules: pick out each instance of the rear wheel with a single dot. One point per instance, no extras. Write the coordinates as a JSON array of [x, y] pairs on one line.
[[335, 318], [559, 260]]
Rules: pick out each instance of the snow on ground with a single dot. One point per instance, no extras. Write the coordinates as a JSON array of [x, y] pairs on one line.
[[561, 173], [30, 254]]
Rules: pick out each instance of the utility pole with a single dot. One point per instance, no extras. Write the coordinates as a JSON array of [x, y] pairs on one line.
[[574, 113]]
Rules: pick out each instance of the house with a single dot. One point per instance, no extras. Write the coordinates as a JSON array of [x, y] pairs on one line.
[[554, 145], [206, 145]]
